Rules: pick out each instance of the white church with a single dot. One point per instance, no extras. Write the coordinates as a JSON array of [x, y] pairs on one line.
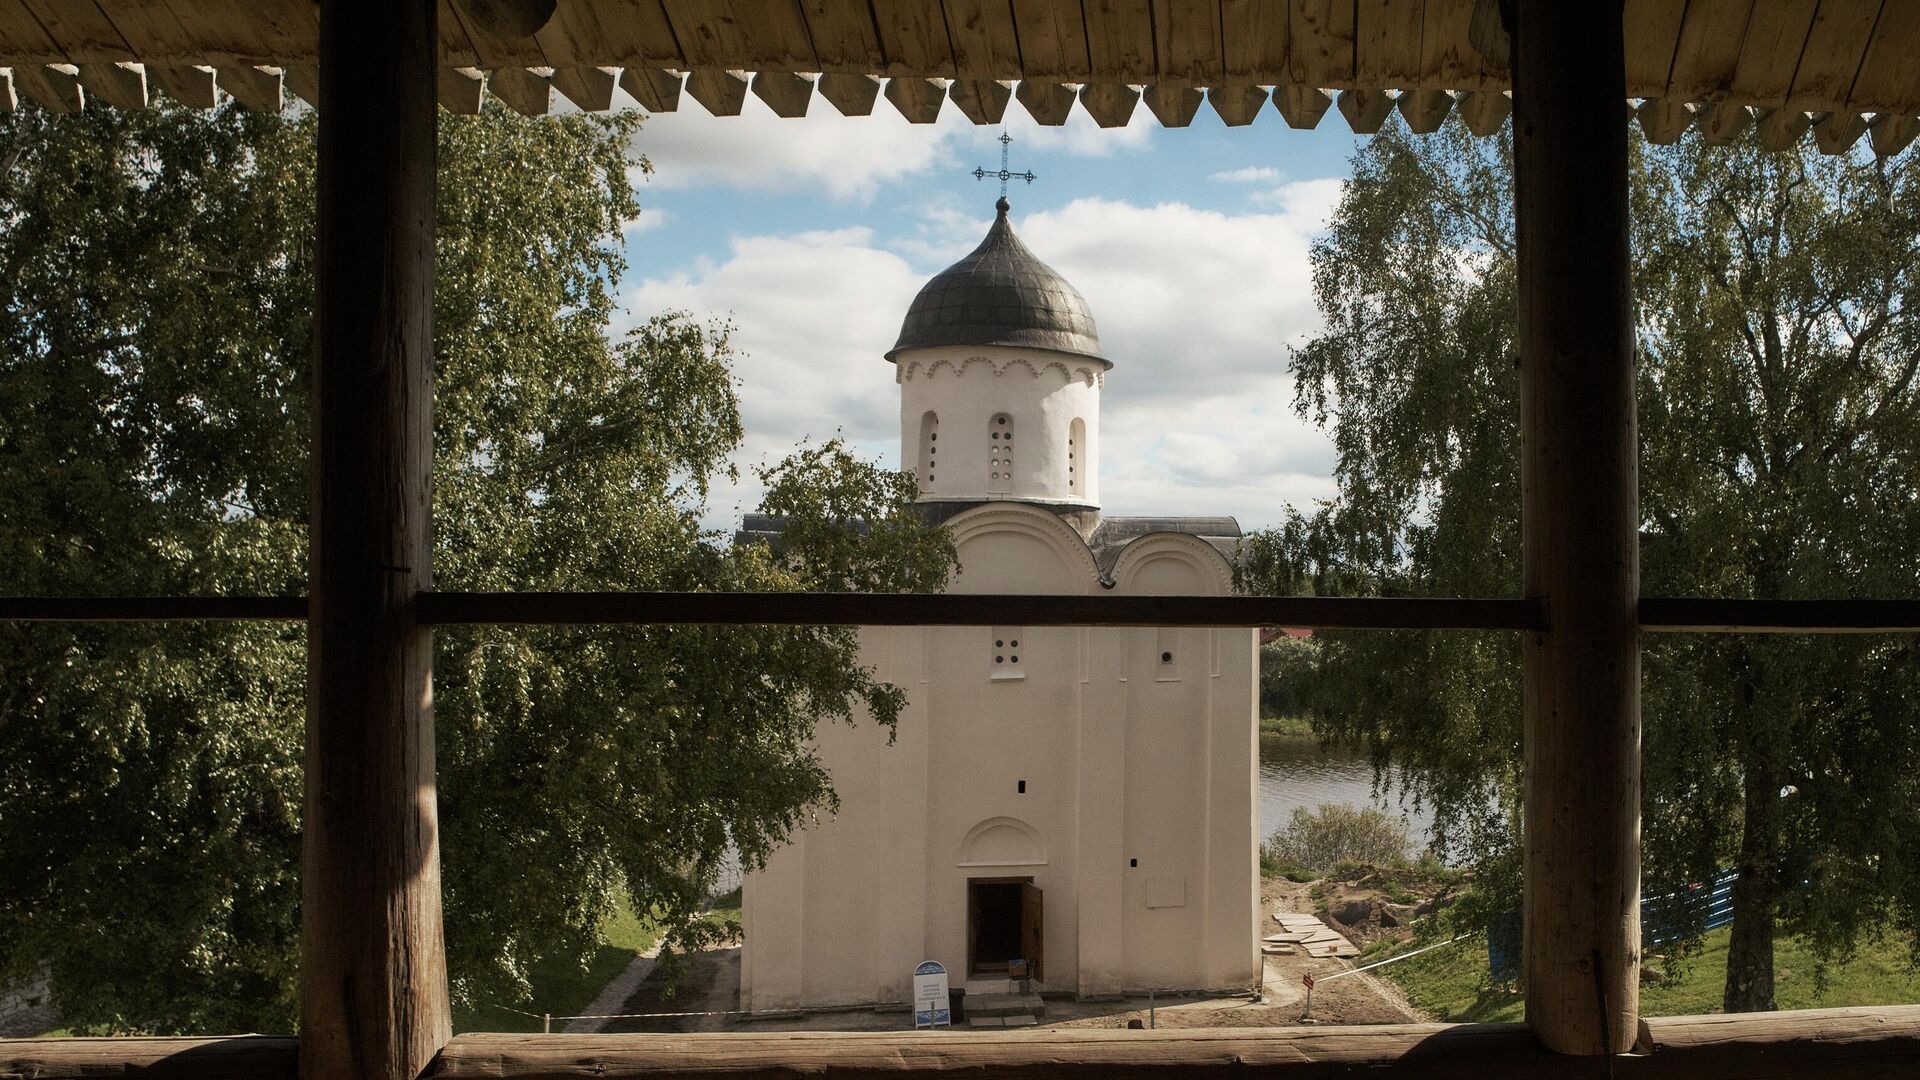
[[1081, 799]]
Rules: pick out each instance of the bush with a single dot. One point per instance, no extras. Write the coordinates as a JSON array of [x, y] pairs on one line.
[[1334, 834]]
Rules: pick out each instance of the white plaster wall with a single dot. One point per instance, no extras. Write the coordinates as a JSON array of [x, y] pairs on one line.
[[1041, 392], [1124, 757]]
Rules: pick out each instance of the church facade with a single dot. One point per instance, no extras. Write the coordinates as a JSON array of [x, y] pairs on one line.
[[1078, 798]]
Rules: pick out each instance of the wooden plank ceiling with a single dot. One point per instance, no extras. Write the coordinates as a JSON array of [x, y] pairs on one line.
[[1841, 69]]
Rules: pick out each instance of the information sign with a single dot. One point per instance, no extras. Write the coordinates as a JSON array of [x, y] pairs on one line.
[[932, 1007]]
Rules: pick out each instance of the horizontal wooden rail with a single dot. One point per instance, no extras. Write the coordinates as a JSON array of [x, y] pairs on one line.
[[1679, 614], [957, 609], [1860, 1042], [1658, 614], [151, 608]]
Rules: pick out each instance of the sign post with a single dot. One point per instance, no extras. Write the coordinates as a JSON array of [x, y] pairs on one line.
[[932, 1006]]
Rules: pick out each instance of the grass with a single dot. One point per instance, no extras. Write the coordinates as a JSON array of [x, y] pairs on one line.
[[1450, 983], [561, 987], [1285, 725]]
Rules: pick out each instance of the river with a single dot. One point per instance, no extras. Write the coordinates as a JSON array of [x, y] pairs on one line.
[[1296, 772]]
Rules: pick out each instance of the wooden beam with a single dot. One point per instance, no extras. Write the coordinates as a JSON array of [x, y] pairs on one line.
[[918, 100], [1579, 529], [1237, 105], [852, 94], [1714, 616], [122, 85], [786, 93], [1109, 103], [1892, 133], [460, 89], [150, 608], [1836, 132], [591, 88], [1663, 120], [305, 84], [1301, 106], [373, 977], [958, 609], [1826, 1043], [1425, 110], [255, 88], [1485, 111], [983, 101], [509, 18], [1782, 129], [1365, 110], [1722, 122], [188, 84], [656, 90], [1172, 104], [525, 92], [1049, 103], [53, 87]]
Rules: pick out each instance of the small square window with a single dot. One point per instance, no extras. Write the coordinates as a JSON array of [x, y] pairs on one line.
[[1006, 654]]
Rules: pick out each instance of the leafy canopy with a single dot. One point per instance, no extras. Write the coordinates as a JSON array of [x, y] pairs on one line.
[[1778, 319], [156, 279]]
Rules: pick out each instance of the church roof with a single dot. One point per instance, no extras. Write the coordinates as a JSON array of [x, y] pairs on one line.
[[1001, 294]]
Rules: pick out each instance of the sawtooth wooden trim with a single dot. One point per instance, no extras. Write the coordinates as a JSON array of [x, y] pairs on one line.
[[1839, 1043]]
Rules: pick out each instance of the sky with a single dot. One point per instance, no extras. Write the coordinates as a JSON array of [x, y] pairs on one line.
[[811, 237]]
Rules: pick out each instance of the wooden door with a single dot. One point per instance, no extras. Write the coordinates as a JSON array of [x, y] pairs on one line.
[[1033, 929]]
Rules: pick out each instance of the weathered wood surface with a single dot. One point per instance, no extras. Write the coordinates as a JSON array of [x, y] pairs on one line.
[[373, 983], [1839, 1043], [949, 609], [1852, 57], [238, 1057], [1579, 516], [1706, 615]]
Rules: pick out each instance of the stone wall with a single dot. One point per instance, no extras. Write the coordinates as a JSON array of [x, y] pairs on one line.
[[26, 1008]]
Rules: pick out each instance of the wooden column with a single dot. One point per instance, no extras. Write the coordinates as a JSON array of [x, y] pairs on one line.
[[1580, 518], [373, 978]]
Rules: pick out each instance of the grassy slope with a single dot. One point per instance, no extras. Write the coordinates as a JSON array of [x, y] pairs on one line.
[[1448, 982], [560, 986]]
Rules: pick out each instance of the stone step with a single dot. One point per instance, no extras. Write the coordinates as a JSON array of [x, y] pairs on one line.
[[997, 1006]]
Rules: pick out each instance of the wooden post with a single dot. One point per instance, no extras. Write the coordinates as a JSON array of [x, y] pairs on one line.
[[373, 978], [1580, 519]]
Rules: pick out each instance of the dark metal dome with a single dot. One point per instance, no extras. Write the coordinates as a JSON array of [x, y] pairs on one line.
[[1001, 294]]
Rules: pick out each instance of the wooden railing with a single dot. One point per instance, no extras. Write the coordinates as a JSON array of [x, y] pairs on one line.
[[1823, 1043]]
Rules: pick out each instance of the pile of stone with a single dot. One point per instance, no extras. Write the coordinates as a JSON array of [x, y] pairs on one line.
[[1301, 932]]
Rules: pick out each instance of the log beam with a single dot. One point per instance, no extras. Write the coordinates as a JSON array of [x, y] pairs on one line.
[[1579, 528], [373, 983], [1827, 1043]]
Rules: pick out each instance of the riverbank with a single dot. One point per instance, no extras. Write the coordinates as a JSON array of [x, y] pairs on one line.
[[1451, 983], [1298, 726]]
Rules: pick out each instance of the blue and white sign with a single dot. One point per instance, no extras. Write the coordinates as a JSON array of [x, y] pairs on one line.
[[932, 1006]]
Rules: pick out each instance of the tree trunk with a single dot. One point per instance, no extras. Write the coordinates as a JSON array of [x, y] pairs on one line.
[[1750, 951]]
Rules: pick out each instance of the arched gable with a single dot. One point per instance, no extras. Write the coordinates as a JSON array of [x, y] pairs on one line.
[[1168, 563], [1011, 547], [1002, 841]]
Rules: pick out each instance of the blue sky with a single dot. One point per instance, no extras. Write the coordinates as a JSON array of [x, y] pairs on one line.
[[812, 235]]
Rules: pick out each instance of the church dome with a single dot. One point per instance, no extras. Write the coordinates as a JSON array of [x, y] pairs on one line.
[[1001, 294]]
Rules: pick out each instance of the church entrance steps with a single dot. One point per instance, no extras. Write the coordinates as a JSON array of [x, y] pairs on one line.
[[1004, 1010]]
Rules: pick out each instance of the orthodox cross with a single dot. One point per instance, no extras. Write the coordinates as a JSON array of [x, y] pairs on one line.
[[1004, 174]]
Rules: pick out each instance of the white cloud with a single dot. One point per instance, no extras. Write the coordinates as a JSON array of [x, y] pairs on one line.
[[1251, 174], [851, 157], [1196, 308]]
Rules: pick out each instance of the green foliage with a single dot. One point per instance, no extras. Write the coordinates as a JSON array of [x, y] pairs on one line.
[[1778, 345], [1340, 838], [1285, 664], [155, 314]]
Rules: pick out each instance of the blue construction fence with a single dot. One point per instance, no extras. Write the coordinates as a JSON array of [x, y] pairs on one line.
[[1707, 905]]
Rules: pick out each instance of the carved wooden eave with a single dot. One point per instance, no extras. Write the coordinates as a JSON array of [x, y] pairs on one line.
[[1844, 68]]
